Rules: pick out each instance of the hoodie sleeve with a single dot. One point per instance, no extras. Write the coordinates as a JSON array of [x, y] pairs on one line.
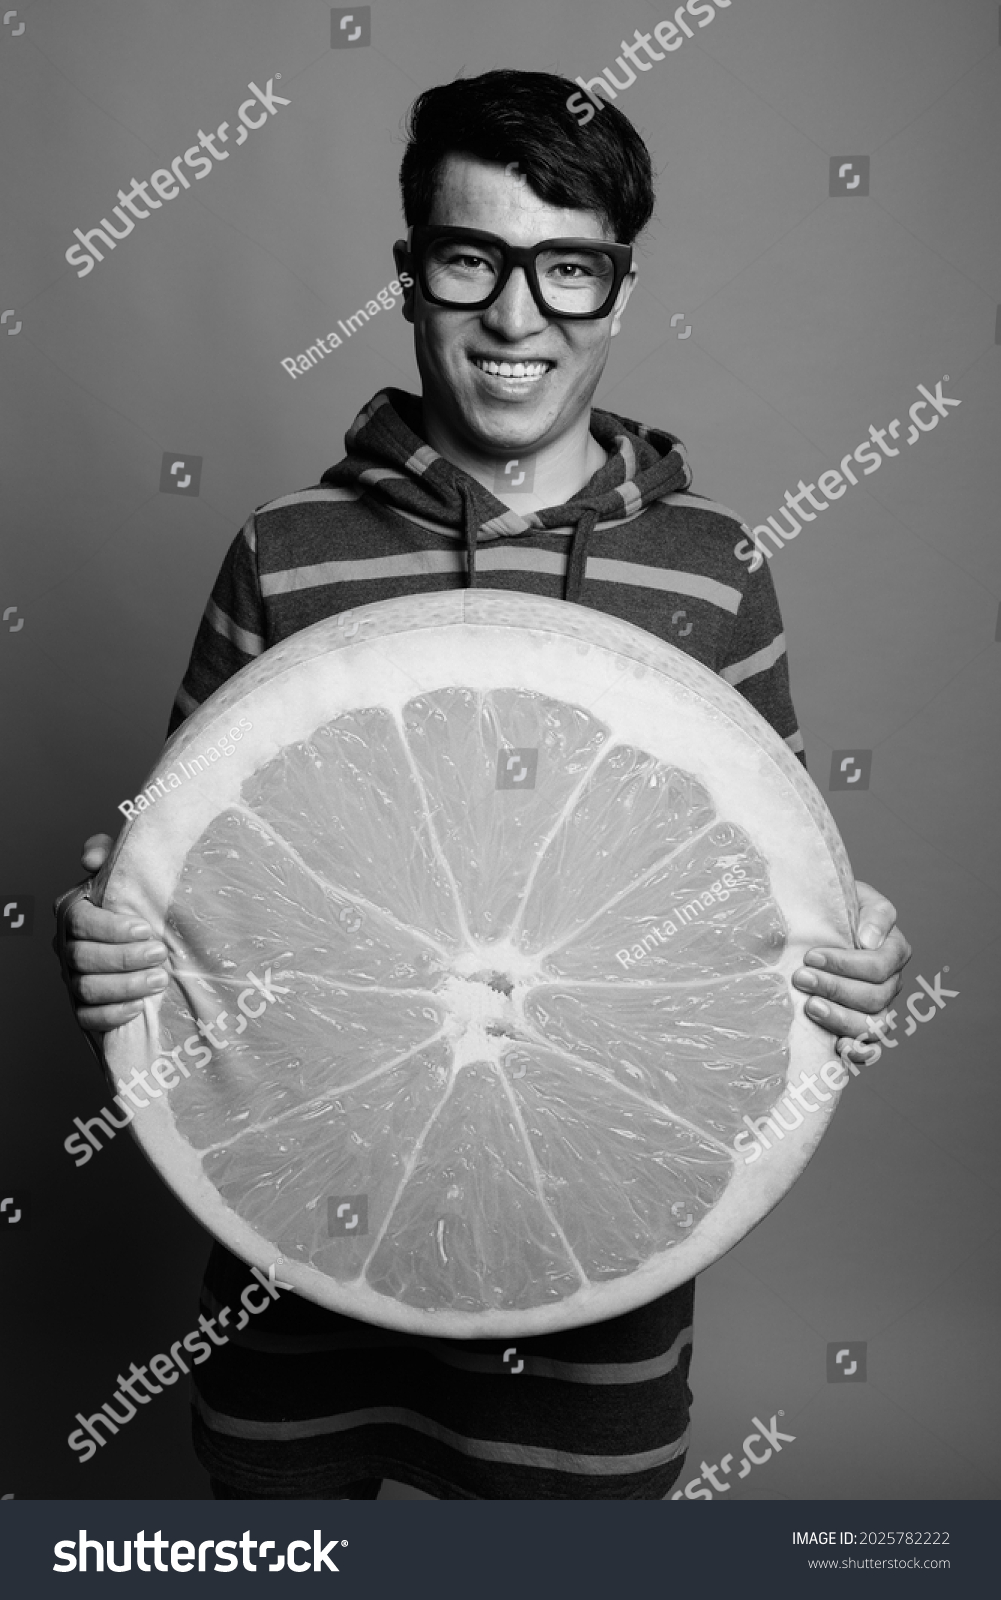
[[232, 631], [756, 663]]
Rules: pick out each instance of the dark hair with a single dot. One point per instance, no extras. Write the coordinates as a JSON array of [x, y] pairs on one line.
[[522, 116]]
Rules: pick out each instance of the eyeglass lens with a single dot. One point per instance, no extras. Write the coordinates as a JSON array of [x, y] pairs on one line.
[[464, 272]]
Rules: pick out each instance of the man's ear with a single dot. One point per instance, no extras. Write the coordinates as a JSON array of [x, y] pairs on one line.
[[404, 264], [622, 300]]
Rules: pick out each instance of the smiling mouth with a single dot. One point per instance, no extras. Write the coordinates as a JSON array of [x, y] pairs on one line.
[[528, 370]]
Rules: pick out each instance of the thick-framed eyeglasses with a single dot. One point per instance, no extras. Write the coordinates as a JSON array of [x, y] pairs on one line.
[[467, 270]]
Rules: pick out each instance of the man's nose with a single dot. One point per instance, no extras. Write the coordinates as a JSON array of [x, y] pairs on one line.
[[514, 313]]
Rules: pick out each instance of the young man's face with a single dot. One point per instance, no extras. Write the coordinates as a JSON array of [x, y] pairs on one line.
[[491, 413]]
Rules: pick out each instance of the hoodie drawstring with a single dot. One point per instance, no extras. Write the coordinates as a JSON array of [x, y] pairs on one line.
[[469, 529], [577, 557]]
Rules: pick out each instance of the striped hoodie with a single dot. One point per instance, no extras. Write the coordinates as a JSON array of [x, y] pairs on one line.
[[316, 1401], [394, 518]]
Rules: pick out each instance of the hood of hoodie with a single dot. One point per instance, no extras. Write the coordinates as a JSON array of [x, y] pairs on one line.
[[389, 459]]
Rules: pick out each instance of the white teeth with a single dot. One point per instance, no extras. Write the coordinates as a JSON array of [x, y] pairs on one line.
[[515, 369]]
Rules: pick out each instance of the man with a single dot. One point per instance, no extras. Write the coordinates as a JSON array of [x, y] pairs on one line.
[[511, 344]]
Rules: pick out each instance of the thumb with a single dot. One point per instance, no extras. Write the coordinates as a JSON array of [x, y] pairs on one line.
[[96, 850], [877, 916]]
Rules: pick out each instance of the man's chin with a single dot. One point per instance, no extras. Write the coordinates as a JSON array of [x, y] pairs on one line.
[[499, 428]]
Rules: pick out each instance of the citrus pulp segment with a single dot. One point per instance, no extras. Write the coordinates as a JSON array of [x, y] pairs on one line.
[[480, 945]]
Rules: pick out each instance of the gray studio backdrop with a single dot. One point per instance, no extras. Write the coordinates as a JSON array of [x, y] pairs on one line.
[[827, 240]]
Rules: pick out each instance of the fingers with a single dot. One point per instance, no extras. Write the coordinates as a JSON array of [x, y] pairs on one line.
[[130, 972], [844, 1004], [133, 977], [110, 971], [865, 966], [877, 916], [867, 998], [104, 1000], [100, 1019], [840, 1019], [848, 987], [96, 850], [112, 962], [103, 989], [85, 921], [116, 972]]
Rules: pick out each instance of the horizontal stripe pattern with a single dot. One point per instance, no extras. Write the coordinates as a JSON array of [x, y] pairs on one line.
[[365, 416], [377, 569], [421, 460], [185, 703], [452, 1353], [510, 523], [632, 500], [507, 558], [666, 578], [624, 445], [697, 503], [522, 1455], [302, 1393], [327, 549], [760, 661], [250, 643], [375, 475], [332, 493]]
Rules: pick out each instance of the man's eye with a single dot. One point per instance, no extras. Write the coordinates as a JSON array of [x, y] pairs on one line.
[[467, 263]]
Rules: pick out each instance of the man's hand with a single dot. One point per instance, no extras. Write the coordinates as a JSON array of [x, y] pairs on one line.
[[850, 987], [113, 963], [112, 960]]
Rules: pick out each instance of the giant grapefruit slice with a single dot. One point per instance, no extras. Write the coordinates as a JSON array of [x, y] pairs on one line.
[[480, 946]]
